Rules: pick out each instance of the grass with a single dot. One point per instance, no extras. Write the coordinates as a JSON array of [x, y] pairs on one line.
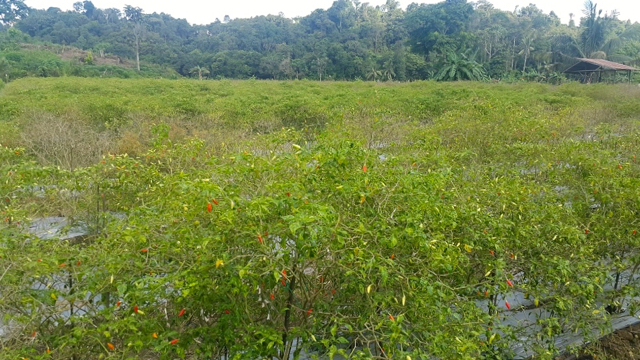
[[395, 207]]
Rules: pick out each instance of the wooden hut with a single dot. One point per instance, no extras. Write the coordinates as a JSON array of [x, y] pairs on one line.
[[592, 70]]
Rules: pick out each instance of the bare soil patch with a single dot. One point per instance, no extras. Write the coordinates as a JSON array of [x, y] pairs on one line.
[[623, 344], [68, 53]]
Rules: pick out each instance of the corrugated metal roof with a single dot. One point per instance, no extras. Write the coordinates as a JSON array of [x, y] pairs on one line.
[[609, 64], [605, 64]]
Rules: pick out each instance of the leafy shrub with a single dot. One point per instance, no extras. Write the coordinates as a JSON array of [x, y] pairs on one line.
[[387, 235], [64, 142]]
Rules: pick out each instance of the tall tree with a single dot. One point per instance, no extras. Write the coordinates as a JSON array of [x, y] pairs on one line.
[[134, 16], [429, 24], [12, 11], [594, 29]]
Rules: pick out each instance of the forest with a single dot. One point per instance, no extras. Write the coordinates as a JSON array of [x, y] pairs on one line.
[[351, 40]]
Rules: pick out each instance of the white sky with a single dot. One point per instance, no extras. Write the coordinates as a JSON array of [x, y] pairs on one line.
[[205, 12]]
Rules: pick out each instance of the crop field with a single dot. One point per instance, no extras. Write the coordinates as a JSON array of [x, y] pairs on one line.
[[281, 220]]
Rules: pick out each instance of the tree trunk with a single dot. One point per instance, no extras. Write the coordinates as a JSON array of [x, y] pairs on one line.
[[138, 52], [513, 55]]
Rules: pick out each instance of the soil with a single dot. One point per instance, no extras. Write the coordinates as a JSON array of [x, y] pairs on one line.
[[69, 53], [623, 344]]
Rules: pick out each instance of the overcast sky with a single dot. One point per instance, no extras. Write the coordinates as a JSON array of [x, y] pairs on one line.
[[206, 11]]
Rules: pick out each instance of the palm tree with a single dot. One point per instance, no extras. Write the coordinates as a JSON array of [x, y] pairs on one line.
[[458, 67], [374, 74], [200, 71], [388, 72], [526, 51], [593, 36]]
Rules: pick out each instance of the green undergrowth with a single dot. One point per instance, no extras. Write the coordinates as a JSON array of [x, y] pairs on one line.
[[360, 219]]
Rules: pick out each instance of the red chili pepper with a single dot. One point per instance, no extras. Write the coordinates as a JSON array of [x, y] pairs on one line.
[[492, 253], [260, 239], [209, 207], [119, 303], [509, 283], [135, 309], [486, 294], [392, 318], [288, 194], [227, 311], [33, 334], [215, 201], [333, 291], [181, 312], [78, 263], [506, 303], [364, 168], [586, 231], [620, 166], [39, 260], [284, 274], [62, 265], [309, 312], [284, 283], [174, 341], [272, 296], [110, 346], [144, 250], [512, 256]]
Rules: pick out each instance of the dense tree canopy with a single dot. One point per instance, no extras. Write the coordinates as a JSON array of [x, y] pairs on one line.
[[12, 10], [350, 40]]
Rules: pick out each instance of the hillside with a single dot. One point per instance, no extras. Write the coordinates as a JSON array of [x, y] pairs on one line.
[[72, 54], [20, 59], [450, 40]]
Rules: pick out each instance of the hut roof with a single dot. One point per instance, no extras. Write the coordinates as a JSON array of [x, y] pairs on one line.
[[589, 65]]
